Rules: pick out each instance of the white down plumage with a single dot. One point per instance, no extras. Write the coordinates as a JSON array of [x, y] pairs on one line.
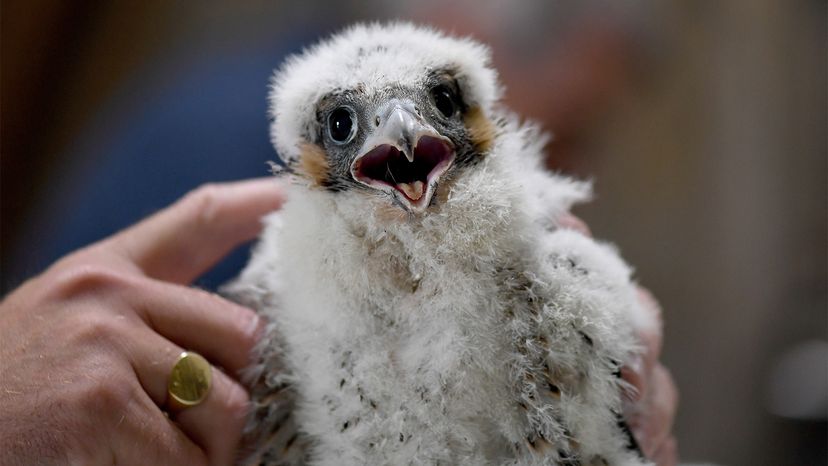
[[460, 327]]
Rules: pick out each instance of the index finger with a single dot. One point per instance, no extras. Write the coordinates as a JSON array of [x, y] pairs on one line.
[[184, 240]]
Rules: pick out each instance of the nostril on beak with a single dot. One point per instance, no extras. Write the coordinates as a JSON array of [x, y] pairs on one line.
[[377, 121]]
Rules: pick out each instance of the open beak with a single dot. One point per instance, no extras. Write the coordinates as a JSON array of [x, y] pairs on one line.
[[404, 156]]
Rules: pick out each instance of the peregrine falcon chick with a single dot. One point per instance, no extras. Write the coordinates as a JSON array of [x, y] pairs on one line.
[[424, 305]]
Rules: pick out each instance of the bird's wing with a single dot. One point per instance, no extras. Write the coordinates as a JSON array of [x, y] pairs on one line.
[[271, 436], [577, 331]]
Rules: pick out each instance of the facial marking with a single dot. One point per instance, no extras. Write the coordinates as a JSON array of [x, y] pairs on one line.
[[313, 164], [481, 130]]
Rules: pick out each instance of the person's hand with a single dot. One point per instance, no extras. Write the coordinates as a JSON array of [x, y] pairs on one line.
[[651, 404], [86, 347]]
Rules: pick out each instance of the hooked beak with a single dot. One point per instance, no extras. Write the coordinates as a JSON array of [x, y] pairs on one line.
[[404, 156]]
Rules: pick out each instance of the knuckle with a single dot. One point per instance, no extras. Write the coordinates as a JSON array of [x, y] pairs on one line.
[[668, 399], [205, 202], [671, 386], [648, 299], [652, 343], [107, 393], [112, 396], [98, 329], [245, 327], [102, 335], [248, 325], [84, 278], [236, 401], [662, 375]]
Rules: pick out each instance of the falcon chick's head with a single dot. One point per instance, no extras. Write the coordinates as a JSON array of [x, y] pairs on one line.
[[386, 110]]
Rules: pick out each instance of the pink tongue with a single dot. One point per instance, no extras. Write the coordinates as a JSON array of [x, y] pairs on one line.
[[413, 190]]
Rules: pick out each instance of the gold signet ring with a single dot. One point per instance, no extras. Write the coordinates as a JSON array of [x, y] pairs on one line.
[[190, 381]]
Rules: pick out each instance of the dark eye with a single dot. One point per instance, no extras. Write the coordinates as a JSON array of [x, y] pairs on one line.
[[342, 125], [444, 100]]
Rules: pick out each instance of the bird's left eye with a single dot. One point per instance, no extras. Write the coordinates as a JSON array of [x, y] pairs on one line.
[[444, 100], [342, 125]]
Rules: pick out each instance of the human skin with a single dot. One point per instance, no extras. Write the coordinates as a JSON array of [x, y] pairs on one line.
[[86, 347]]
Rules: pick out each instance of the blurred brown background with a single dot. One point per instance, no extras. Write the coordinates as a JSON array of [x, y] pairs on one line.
[[703, 124]]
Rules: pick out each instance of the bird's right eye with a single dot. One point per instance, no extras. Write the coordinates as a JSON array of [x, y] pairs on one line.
[[342, 125]]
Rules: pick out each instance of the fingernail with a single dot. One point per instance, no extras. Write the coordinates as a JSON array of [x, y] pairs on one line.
[[632, 372], [639, 437], [632, 395], [637, 433], [254, 327], [636, 364]]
